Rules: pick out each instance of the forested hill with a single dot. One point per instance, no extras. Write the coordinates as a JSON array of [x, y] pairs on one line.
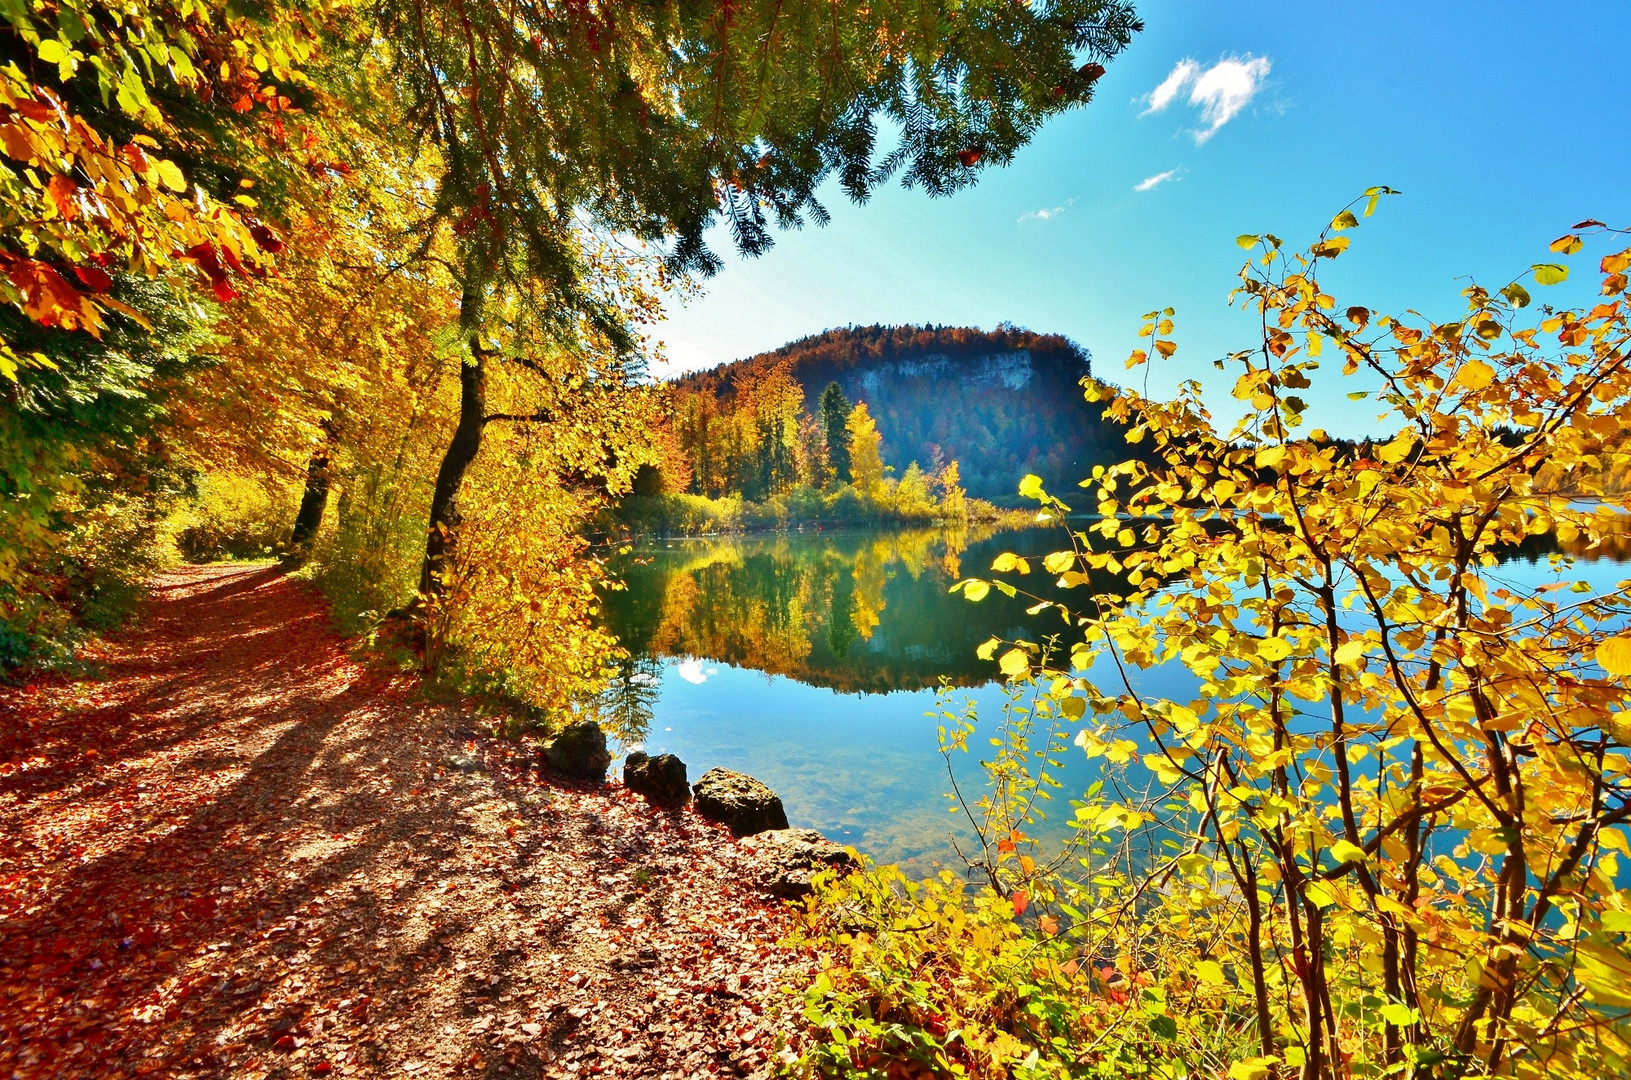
[[1002, 403]]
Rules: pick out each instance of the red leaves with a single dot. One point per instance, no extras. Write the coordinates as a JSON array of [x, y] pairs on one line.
[[969, 158], [267, 239], [1022, 901], [93, 278], [285, 1042], [204, 256], [64, 196]]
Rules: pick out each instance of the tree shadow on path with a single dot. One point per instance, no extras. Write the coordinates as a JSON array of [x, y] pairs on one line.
[[242, 853]]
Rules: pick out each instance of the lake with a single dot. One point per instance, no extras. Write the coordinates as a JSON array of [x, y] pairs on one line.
[[812, 660]]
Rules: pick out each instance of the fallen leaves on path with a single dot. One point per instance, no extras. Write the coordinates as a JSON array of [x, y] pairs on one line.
[[239, 852]]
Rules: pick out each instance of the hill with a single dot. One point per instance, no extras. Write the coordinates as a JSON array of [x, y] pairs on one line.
[[1002, 403]]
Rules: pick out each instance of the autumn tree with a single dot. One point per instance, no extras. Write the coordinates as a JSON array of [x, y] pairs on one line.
[[953, 499], [142, 140], [863, 442], [649, 123]]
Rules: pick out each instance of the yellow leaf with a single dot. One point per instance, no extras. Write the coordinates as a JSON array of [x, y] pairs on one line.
[[170, 175], [1350, 651], [1252, 1068], [1209, 971], [1398, 449], [1273, 649], [1614, 655], [1014, 662], [1607, 974], [1475, 375], [1346, 852]]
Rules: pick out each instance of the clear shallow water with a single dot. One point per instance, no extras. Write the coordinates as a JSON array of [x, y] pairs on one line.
[[810, 661]]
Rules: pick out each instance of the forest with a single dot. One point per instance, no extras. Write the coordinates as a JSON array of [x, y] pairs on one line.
[[757, 458], [325, 423], [1017, 410]]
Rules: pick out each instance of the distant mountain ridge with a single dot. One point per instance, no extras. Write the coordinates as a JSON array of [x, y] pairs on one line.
[[1002, 403]]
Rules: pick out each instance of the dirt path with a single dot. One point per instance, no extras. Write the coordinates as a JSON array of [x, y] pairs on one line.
[[240, 853]]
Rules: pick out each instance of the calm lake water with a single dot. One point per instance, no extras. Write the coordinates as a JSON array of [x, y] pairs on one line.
[[812, 660]]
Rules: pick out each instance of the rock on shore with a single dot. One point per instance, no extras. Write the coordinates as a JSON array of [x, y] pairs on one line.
[[660, 779], [789, 858], [742, 803], [579, 751]]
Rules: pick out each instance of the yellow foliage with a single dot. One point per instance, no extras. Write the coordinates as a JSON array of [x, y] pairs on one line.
[[1392, 810]]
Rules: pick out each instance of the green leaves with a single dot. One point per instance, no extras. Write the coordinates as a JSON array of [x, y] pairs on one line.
[[1373, 195], [1399, 1015], [1550, 273]]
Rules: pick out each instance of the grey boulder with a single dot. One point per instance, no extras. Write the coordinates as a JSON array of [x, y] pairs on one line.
[[579, 751], [789, 858], [744, 804], [660, 779]]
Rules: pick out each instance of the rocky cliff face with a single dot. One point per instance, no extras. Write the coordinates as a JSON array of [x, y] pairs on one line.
[[1008, 370], [1002, 403]]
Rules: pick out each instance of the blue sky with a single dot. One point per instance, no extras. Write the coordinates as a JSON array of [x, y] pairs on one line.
[[1501, 125]]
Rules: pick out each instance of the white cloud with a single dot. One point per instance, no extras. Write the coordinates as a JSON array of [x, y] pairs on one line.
[[1220, 91], [1183, 73], [1047, 213], [680, 357], [690, 669], [1159, 178]]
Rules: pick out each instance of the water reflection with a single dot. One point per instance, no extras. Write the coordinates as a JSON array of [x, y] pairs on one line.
[[857, 612], [810, 660]]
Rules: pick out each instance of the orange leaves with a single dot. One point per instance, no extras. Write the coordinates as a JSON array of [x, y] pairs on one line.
[[82, 193], [63, 191], [45, 296]]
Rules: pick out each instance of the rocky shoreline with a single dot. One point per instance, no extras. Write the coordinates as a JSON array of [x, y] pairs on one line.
[[788, 858]]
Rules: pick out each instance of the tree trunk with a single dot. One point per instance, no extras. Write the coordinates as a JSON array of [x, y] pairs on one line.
[[319, 476], [461, 451]]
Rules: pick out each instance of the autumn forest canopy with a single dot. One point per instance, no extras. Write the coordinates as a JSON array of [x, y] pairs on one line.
[[371, 290]]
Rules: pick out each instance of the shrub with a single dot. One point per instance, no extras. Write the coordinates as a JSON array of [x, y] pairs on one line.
[[231, 516]]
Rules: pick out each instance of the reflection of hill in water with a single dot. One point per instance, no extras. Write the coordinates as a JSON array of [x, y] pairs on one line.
[[1614, 545], [860, 612]]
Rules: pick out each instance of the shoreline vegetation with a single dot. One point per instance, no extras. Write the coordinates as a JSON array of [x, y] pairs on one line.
[[673, 515]]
